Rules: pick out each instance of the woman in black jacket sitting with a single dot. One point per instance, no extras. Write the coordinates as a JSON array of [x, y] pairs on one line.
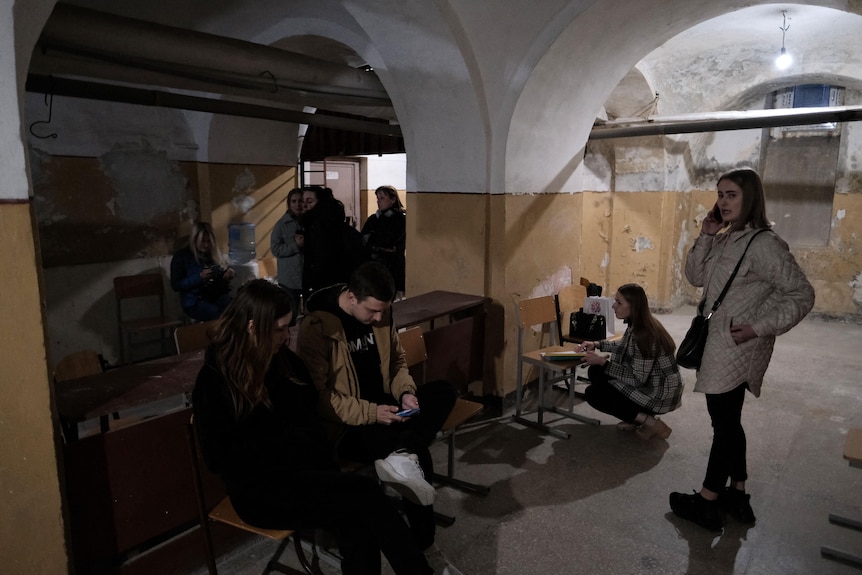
[[256, 415]]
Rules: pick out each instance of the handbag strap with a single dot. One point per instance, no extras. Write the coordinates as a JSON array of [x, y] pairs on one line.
[[733, 275]]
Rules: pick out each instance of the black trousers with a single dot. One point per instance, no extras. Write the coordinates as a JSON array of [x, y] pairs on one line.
[[727, 455], [366, 443], [604, 397], [352, 507]]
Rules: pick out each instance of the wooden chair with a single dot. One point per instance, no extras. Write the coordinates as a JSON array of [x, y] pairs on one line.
[[79, 364], [543, 311], [415, 354], [145, 289], [224, 513], [193, 337]]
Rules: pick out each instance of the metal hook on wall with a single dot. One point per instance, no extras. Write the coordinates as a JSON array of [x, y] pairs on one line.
[[49, 101], [271, 76]]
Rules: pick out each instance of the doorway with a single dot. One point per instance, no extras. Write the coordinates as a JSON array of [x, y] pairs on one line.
[[342, 177]]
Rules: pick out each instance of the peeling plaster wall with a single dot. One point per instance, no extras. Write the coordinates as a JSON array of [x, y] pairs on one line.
[[116, 192]]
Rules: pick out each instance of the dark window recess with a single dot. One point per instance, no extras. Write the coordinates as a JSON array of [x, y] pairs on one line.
[[321, 142]]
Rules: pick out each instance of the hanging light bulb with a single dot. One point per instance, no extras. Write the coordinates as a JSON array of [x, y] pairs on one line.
[[784, 59]]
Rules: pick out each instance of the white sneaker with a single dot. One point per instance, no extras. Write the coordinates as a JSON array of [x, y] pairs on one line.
[[401, 470], [439, 562]]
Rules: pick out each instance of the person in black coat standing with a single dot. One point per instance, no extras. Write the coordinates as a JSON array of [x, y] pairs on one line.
[[332, 247], [384, 235]]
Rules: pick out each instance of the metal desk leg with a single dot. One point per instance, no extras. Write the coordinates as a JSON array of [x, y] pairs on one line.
[[539, 424], [541, 407], [837, 554], [518, 392]]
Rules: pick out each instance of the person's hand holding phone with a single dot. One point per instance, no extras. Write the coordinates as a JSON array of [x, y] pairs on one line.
[[386, 414], [712, 223]]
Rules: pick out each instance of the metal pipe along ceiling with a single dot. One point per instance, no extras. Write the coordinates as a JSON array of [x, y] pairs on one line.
[[722, 121], [131, 95], [87, 43]]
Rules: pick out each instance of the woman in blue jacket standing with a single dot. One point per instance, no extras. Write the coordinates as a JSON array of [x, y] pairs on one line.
[[203, 284]]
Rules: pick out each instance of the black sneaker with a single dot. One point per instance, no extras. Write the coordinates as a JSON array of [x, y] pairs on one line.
[[737, 504], [695, 508]]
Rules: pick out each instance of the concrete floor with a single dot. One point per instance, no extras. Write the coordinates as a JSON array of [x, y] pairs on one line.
[[598, 502]]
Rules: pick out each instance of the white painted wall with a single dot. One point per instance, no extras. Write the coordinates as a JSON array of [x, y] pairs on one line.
[[387, 170]]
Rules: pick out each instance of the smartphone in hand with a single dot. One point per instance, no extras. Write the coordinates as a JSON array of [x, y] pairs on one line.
[[407, 412], [716, 214]]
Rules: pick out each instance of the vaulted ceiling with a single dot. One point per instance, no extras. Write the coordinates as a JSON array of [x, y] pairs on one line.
[[241, 57]]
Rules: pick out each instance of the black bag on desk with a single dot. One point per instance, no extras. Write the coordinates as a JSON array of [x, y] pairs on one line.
[[587, 326]]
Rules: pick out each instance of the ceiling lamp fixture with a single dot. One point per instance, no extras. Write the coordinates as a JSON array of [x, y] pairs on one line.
[[784, 59]]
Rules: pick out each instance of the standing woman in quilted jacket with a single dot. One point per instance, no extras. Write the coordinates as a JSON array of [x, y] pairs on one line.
[[769, 295]]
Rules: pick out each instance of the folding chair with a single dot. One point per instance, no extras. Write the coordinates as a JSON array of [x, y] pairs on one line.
[[570, 299], [543, 311], [224, 513], [144, 289], [79, 364], [415, 354]]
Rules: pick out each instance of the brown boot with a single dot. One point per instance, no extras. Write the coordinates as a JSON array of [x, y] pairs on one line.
[[658, 429]]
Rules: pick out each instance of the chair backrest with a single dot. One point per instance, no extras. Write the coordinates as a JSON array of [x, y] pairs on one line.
[[540, 310], [537, 311], [142, 285], [414, 345], [571, 298], [267, 267], [415, 353], [79, 364], [193, 337], [139, 286]]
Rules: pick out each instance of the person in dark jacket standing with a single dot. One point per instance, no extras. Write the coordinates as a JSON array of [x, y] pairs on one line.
[[256, 416], [332, 248], [384, 235]]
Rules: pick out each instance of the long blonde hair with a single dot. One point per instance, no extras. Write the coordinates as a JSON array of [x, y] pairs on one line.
[[242, 338], [200, 229]]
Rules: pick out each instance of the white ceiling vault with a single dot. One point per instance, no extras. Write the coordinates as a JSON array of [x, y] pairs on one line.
[[507, 80]]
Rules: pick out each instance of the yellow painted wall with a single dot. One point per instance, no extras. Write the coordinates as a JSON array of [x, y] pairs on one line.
[[512, 247], [31, 532], [446, 243]]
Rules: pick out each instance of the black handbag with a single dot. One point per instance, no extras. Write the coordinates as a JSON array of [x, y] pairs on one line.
[[587, 326], [690, 351]]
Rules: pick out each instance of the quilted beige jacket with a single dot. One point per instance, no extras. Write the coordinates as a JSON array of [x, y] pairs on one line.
[[770, 293]]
